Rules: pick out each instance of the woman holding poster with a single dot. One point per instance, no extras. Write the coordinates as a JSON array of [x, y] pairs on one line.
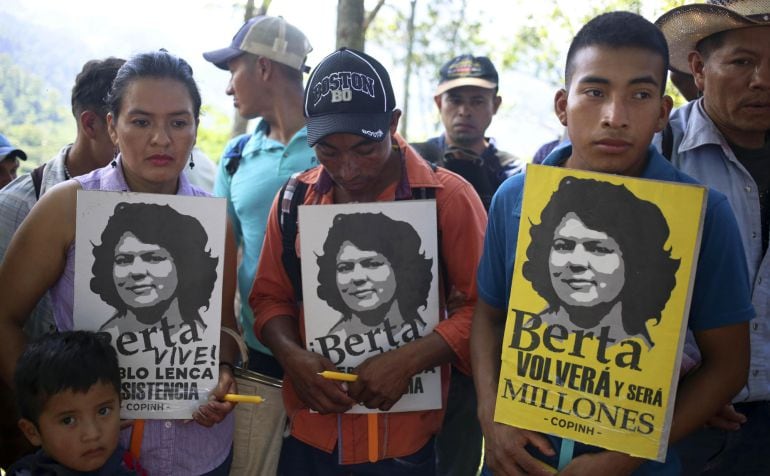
[[154, 107], [372, 271], [599, 258]]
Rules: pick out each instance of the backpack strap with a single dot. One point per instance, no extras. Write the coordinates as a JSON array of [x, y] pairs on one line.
[[37, 180], [235, 154], [292, 194]]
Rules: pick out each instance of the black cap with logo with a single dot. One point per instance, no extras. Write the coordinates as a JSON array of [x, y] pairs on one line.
[[467, 70], [348, 92]]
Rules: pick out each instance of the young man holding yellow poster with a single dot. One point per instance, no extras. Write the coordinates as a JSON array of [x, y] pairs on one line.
[[612, 105]]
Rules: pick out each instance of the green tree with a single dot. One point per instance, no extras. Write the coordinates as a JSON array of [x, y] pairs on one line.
[[424, 36], [31, 114], [538, 48]]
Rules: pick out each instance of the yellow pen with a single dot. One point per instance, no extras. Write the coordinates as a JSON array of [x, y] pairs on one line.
[[329, 374], [234, 397]]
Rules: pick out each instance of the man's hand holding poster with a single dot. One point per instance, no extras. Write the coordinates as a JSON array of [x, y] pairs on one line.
[[148, 275], [598, 311], [370, 285]]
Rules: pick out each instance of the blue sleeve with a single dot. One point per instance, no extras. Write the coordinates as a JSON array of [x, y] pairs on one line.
[[493, 278], [722, 293]]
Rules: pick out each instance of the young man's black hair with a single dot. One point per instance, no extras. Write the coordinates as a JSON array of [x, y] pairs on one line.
[[619, 30], [91, 84]]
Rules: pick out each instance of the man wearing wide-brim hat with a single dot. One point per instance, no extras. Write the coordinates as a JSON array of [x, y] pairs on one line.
[[723, 140]]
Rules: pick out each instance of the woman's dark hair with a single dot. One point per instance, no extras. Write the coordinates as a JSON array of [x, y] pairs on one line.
[[396, 240], [181, 235], [639, 228], [55, 363], [158, 65]]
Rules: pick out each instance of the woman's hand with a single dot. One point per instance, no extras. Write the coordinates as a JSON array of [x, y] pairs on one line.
[[215, 410]]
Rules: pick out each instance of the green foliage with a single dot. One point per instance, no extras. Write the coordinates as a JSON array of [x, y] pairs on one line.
[[443, 29], [213, 132], [539, 47], [31, 114]]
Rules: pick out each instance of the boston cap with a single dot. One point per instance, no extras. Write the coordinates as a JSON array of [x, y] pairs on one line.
[[348, 92]]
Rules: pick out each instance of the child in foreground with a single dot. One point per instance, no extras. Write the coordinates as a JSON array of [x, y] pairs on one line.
[[67, 390]]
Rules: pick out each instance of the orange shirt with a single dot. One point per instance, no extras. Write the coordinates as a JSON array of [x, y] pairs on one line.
[[462, 221]]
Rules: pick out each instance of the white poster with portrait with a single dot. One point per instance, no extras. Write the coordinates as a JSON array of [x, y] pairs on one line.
[[148, 274], [370, 285]]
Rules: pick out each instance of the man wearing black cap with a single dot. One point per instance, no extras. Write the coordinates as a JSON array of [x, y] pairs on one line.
[[266, 60], [9, 161], [351, 122], [723, 140], [467, 99]]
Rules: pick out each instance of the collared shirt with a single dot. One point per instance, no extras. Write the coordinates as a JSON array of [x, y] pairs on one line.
[[169, 447], [461, 219], [265, 165], [16, 200], [721, 291], [701, 151]]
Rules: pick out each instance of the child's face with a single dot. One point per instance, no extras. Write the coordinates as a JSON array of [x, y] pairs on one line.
[[79, 430], [613, 108]]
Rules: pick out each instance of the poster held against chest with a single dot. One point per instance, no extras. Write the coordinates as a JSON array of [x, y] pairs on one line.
[[597, 316], [370, 285], [148, 274]]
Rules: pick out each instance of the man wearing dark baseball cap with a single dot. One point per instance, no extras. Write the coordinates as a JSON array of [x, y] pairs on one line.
[[351, 122], [9, 161], [467, 98]]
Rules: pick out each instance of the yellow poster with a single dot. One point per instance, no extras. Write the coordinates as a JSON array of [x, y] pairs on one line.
[[597, 317]]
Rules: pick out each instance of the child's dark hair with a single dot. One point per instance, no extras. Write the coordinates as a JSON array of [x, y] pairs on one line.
[[73, 360], [619, 30]]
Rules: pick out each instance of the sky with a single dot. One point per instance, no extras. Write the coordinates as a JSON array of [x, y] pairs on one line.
[[190, 27]]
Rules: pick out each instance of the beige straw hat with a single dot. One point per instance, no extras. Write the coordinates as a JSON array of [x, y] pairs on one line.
[[685, 26]]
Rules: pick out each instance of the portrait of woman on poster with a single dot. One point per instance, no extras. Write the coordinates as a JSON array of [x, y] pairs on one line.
[[598, 258], [153, 263], [371, 270]]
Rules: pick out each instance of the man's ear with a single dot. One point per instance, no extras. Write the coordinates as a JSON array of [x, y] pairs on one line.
[[30, 431], [697, 65], [393, 126], [89, 123], [437, 100], [560, 106], [264, 67], [496, 104], [666, 104]]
